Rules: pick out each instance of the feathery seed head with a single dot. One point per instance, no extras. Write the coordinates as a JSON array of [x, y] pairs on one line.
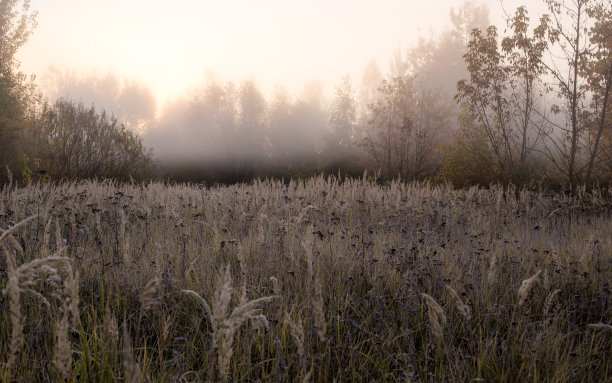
[[492, 276], [437, 319], [63, 348], [463, 309], [526, 286], [319, 311], [600, 326], [131, 369], [549, 301], [147, 295]]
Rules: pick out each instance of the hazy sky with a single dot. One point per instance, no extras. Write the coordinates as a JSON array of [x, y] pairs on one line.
[[170, 46]]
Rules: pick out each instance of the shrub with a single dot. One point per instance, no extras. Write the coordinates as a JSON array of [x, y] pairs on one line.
[[76, 142]]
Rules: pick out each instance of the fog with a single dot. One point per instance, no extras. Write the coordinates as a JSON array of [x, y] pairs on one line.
[[234, 125], [170, 47], [234, 128], [129, 100]]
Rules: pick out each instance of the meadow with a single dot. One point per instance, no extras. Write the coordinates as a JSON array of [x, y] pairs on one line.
[[319, 280]]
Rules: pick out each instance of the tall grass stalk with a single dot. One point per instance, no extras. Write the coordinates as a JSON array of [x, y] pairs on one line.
[[347, 259]]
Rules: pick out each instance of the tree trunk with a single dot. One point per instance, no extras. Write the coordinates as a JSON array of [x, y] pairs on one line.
[[600, 127], [574, 106]]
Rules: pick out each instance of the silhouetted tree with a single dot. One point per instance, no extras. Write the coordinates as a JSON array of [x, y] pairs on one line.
[[598, 71], [371, 81], [569, 33], [17, 94], [280, 135], [502, 88], [523, 53], [251, 128], [308, 122], [213, 124], [130, 101], [405, 127], [339, 138], [391, 128], [437, 62], [296, 129]]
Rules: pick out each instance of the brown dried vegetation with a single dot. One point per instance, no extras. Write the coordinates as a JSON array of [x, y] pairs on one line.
[[318, 280]]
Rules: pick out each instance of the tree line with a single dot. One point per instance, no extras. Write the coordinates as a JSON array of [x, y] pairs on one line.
[[225, 131], [532, 109], [540, 95], [529, 107]]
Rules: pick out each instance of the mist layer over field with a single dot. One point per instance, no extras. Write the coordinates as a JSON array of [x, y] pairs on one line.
[[240, 128]]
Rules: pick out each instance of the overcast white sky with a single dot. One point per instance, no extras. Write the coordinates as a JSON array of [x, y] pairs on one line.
[[170, 45]]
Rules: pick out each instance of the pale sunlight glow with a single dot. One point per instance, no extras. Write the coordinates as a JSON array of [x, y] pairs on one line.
[[170, 46]]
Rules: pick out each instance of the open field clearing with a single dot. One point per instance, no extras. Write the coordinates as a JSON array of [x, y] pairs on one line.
[[317, 281]]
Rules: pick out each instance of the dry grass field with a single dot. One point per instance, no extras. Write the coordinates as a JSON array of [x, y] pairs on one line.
[[316, 280]]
